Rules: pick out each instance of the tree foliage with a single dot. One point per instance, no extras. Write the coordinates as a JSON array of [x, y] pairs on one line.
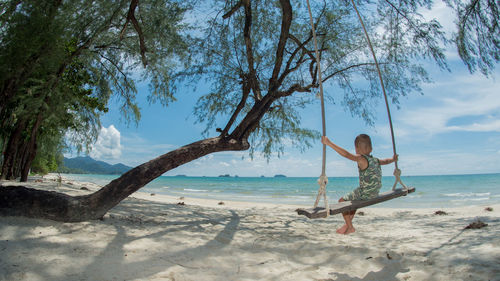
[[478, 33], [63, 60], [245, 48]]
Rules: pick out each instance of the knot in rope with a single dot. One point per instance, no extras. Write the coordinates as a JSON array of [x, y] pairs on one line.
[[397, 173], [323, 181]]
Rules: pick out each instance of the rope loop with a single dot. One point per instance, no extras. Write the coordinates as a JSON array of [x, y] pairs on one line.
[[397, 172], [323, 181]]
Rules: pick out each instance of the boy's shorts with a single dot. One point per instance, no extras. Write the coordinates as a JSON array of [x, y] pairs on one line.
[[361, 194]]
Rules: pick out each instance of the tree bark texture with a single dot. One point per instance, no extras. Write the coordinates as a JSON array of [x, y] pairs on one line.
[[12, 151], [31, 149], [23, 201]]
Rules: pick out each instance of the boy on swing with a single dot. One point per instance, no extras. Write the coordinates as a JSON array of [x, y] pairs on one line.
[[370, 174]]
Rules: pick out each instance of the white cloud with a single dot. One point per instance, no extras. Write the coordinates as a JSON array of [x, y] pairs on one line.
[[472, 97], [492, 126], [441, 12], [107, 145]]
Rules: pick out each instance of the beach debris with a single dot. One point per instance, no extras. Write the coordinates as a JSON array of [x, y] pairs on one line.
[[361, 213], [489, 209], [152, 194], [388, 256], [440, 213], [477, 224], [181, 203], [368, 258], [38, 180], [84, 188], [221, 203]]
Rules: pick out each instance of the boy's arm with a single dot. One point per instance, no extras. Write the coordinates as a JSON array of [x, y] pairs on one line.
[[340, 150], [388, 160]]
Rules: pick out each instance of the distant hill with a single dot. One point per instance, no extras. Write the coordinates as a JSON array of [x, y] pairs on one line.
[[87, 165]]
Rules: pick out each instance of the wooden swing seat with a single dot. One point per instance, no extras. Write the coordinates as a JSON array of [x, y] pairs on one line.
[[346, 206]]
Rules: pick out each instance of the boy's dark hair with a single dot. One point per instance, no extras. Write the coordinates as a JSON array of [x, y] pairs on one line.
[[363, 140]]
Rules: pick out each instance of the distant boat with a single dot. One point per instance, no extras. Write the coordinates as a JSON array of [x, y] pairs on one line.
[[225, 176], [279, 176]]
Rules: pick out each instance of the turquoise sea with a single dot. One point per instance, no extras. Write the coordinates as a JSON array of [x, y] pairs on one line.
[[431, 191]]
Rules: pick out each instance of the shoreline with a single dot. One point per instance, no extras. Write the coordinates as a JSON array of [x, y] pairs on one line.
[[149, 237], [74, 187], [431, 191], [241, 205]]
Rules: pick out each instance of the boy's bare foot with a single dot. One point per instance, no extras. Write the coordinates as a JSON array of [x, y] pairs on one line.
[[342, 229], [349, 230]]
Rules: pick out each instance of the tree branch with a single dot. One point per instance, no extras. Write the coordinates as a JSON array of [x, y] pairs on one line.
[[286, 21], [233, 10], [131, 18], [347, 68], [241, 105], [301, 46], [250, 81], [127, 83], [468, 11], [252, 78], [402, 14], [296, 88], [253, 117]]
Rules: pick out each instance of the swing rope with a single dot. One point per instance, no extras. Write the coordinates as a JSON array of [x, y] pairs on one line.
[[397, 171], [323, 179]]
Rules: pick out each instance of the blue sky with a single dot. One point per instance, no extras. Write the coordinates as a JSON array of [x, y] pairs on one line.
[[454, 128]]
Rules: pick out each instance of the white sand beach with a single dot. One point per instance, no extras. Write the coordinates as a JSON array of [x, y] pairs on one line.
[[151, 237]]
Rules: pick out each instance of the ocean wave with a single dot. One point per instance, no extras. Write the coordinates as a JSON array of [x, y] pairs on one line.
[[469, 194], [195, 190], [471, 199]]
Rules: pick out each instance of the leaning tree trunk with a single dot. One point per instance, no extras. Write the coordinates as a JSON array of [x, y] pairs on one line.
[[27, 161], [12, 151], [17, 163], [31, 149], [23, 201]]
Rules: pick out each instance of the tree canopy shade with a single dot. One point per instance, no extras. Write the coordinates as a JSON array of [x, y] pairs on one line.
[[62, 60], [259, 60]]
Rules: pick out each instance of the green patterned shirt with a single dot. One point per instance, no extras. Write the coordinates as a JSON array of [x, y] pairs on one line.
[[370, 181]]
